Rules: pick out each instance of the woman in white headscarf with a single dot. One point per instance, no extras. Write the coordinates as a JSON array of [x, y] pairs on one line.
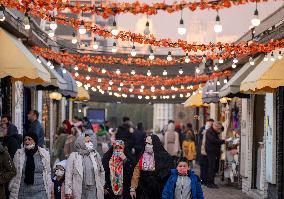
[[85, 176], [171, 138]]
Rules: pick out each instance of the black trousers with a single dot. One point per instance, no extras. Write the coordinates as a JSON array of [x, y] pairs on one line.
[[203, 162], [212, 158]]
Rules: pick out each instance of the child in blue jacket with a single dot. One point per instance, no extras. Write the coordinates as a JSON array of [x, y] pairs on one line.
[[183, 183]]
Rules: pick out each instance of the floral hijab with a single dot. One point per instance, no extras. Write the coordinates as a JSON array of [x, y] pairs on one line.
[[116, 167]]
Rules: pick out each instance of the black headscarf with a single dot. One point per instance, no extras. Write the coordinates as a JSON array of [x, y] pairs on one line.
[[30, 163]]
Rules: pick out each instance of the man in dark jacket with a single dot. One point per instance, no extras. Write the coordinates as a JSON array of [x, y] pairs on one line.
[[9, 140], [35, 126], [138, 138], [124, 134], [7, 171], [12, 129], [213, 149]]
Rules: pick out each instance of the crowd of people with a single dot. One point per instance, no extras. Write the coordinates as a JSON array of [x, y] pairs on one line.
[[123, 163]]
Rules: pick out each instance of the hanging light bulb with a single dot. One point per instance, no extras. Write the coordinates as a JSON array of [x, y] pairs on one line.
[[162, 87], [255, 21], [64, 70], [109, 88], [139, 96], [76, 67], [147, 28], [51, 33], [132, 72], [110, 82], [197, 70], [114, 30], [141, 90], [133, 51], [182, 87], [76, 74], [218, 83], [165, 72], [74, 38], [225, 81], [38, 59], [26, 21], [172, 88], [153, 88], [234, 65], [181, 28], [99, 80], [119, 88], [235, 60], [280, 55], [173, 96], [103, 71], [89, 69], [131, 90], [216, 67], [82, 29], [88, 77], [251, 61], [114, 48], [221, 61], [53, 24], [218, 27], [169, 57], [180, 71], [204, 59], [272, 58], [142, 86], [93, 89], [265, 58], [96, 44], [117, 71], [121, 84], [48, 63], [187, 59], [2, 15], [151, 56], [149, 73]]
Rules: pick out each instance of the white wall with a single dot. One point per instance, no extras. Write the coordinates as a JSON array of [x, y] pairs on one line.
[[17, 105], [162, 114]]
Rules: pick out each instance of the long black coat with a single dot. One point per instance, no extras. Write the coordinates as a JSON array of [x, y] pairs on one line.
[[213, 142], [128, 168]]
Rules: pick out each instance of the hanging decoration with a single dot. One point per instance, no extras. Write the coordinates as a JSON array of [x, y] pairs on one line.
[[107, 10]]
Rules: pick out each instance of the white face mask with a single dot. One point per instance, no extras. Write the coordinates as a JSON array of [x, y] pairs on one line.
[[30, 146], [131, 130], [59, 172], [89, 146], [149, 148]]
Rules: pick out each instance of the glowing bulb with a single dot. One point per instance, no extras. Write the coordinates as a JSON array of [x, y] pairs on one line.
[[51, 33], [2, 15], [114, 30], [133, 52], [151, 56], [103, 71], [26, 21], [133, 72], [218, 27], [96, 44], [149, 72], [76, 67], [221, 61], [117, 71], [234, 65], [225, 81], [82, 29], [197, 70], [187, 59], [255, 21], [182, 87], [99, 80], [280, 55], [172, 88], [121, 84], [94, 89], [235, 60], [165, 72], [48, 63], [139, 96], [251, 61], [265, 58], [114, 48], [109, 88], [218, 83], [88, 77], [53, 25], [110, 82], [64, 70], [119, 88], [181, 28], [180, 71], [147, 28], [38, 59], [89, 69], [74, 38], [169, 57], [216, 67], [162, 88], [76, 74]]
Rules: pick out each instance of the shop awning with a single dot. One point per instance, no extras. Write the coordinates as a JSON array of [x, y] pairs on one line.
[[57, 82], [266, 77], [210, 92], [71, 90], [18, 62], [194, 101], [82, 95], [232, 88]]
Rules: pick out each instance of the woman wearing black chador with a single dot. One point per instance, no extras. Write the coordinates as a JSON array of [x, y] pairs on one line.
[[151, 171]]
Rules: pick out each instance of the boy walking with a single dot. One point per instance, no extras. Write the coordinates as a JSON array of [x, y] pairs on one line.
[[183, 183]]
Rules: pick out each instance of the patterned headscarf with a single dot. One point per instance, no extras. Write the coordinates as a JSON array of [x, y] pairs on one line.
[[116, 167]]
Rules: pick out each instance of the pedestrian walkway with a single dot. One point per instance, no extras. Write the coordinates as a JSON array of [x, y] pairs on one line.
[[225, 192]]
